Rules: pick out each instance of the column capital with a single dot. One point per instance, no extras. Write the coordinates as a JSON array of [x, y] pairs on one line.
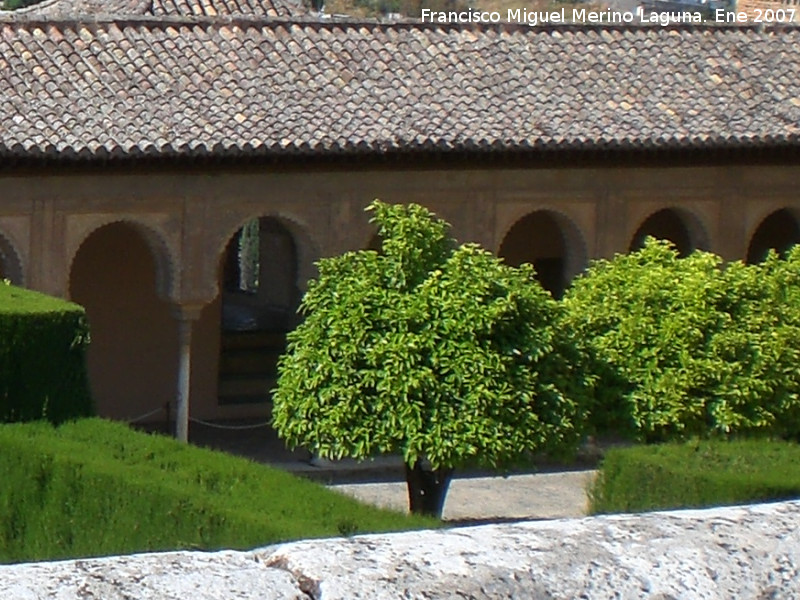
[[188, 311]]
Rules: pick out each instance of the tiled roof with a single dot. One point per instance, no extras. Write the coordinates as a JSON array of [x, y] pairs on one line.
[[209, 87], [73, 8], [212, 8], [118, 8]]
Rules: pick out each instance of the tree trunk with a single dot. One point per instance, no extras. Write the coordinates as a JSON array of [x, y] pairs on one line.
[[427, 488]]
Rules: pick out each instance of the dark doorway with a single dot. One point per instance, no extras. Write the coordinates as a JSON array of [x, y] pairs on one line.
[[259, 305], [132, 356], [540, 238], [667, 224], [10, 267], [779, 232]]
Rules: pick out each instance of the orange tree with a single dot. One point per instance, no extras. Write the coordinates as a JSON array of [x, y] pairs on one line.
[[690, 347], [438, 352]]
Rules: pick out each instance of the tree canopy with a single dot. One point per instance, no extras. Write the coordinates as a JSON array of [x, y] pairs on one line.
[[438, 352], [688, 346]]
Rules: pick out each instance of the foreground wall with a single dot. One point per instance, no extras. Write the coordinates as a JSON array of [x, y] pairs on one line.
[[741, 552]]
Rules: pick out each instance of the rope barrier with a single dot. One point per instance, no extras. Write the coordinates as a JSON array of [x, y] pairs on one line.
[[144, 416], [230, 427]]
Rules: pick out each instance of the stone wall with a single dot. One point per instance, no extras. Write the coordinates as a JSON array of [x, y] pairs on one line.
[[739, 552]]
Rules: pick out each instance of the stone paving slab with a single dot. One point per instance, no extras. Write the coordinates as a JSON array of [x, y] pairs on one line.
[[539, 496]]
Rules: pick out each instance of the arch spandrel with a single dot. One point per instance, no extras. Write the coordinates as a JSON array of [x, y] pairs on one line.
[[757, 211]]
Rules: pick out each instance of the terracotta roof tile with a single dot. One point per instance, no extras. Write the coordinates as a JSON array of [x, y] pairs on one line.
[[177, 87], [199, 8]]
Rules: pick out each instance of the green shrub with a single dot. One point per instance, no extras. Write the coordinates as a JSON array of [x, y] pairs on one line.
[[685, 347], [95, 487], [43, 344], [15, 4], [762, 345], [696, 474]]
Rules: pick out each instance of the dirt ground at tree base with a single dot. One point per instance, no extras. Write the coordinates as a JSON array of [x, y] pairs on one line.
[[480, 499]]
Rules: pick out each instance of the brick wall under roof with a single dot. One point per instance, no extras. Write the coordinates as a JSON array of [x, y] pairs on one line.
[[199, 87]]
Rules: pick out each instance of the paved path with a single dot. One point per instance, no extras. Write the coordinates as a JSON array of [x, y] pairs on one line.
[[540, 496]]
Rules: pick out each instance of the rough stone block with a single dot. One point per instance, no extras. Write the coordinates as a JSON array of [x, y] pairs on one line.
[[735, 552]]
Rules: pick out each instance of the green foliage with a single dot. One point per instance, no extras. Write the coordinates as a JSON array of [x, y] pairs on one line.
[[94, 487], [428, 350], [761, 347], [43, 344], [696, 474], [684, 347], [15, 4]]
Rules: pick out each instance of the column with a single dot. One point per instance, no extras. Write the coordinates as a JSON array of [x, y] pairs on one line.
[[187, 315]]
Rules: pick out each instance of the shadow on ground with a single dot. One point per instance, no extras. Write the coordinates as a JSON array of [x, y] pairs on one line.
[[257, 441]]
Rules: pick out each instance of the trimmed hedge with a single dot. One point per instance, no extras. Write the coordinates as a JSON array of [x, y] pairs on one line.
[[95, 487], [696, 474], [43, 343], [16, 4]]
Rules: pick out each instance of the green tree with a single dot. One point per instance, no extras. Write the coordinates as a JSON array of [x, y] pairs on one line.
[[761, 347], [688, 347], [440, 353]]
